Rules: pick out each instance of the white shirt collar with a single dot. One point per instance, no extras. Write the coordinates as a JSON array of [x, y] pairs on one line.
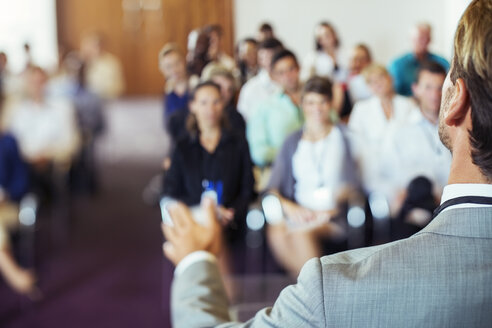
[[466, 189]]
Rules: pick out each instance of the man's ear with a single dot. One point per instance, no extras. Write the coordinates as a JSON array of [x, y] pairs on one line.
[[459, 104]]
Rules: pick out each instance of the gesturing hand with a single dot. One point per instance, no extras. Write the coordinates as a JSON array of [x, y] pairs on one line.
[[187, 236]]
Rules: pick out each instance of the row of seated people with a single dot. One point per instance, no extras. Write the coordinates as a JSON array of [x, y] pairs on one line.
[[388, 143], [47, 143]]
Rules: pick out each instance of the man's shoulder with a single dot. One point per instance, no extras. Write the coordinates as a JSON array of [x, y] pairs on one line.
[[402, 60]]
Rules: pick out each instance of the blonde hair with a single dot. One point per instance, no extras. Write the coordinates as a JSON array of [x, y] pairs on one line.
[[374, 69], [472, 62]]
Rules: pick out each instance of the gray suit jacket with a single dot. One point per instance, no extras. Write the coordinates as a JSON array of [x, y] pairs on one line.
[[440, 277]]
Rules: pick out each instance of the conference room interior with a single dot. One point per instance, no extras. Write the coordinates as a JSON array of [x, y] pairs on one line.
[[90, 232]]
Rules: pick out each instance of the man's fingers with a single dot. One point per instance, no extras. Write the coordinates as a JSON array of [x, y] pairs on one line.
[[180, 215], [169, 233], [169, 251], [208, 207]]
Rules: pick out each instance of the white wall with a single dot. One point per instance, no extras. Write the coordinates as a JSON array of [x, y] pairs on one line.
[[32, 21], [384, 25]]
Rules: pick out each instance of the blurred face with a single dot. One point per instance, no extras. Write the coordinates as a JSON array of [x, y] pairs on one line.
[[428, 91], [421, 39], [207, 107], [36, 81], [248, 53], [226, 88], [359, 60], [316, 108], [325, 37], [172, 66], [265, 59], [380, 84], [286, 74]]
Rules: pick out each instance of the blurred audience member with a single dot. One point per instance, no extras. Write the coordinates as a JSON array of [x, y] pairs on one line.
[[278, 116], [91, 124], [262, 86], [45, 128], [225, 80], [212, 157], [104, 73], [325, 60], [173, 67], [372, 121], [404, 69], [247, 59], [418, 153], [265, 32], [198, 54], [360, 58], [312, 173], [13, 185], [215, 51]]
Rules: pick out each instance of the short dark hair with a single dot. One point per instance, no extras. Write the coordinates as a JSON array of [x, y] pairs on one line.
[[266, 27], [472, 62], [319, 85], [284, 53], [271, 44], [432, 67]]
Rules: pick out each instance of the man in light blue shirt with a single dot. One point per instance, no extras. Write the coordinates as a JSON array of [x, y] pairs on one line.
[[278, 116], [404, 69]]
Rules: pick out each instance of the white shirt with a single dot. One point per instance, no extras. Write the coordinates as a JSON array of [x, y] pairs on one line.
[[321, 64], [45, 130], [415, 149], [466, 189], [254, 92], [370, 130], [358, 88], [317, 170]]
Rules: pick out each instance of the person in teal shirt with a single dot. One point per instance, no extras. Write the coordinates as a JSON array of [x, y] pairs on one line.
[[278, 116], [404, 69]]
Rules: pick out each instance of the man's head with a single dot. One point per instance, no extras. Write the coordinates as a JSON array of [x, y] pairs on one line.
[[266, 50], [285, 70], [36, 79], [172, 63], [467, 103], [428, 88], [265, 32], [421, 37], [247, 52], [360, 58]]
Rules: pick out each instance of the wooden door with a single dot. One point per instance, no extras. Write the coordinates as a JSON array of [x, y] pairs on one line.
[[137, 29]]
